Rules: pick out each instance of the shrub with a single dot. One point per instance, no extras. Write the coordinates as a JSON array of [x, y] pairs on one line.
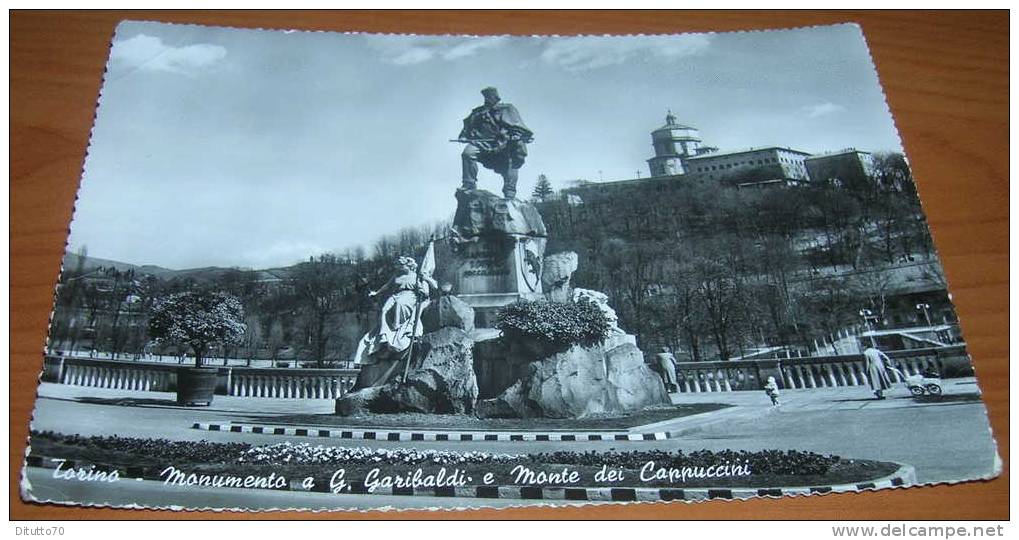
[[197, 319], [556, 324]]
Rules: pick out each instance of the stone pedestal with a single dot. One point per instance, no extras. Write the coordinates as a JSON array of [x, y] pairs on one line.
[[492, 272], [494, 256]]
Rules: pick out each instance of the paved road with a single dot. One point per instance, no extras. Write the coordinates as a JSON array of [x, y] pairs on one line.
[[946, 440]]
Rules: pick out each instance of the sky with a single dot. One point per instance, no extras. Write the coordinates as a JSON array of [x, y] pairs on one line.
[[258, 149]]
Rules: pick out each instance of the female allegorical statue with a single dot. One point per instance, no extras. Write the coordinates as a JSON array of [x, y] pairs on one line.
[[400, 319]]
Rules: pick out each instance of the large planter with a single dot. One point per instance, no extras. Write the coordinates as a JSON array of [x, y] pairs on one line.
[[196, 386]]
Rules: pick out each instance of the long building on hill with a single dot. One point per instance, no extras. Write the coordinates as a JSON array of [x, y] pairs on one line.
[[680, 154], [752, 166], [844, 168]]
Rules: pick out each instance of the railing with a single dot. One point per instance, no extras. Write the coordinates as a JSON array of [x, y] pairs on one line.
[[692, 377], [824, 372], [233, 381], [728, 376], [114, 374], [816, 371], [212, 361], [291, 383], [851, 370]]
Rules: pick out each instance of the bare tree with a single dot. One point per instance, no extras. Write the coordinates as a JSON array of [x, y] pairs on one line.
[[723, 300], [319, 288], [678, 309], [874, 287]]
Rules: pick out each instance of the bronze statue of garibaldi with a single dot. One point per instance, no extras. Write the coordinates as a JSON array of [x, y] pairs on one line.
[[497, 138]]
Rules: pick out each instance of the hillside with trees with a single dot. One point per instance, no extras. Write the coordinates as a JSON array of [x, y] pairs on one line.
[[311, 313], [716, 272], [710, 271]]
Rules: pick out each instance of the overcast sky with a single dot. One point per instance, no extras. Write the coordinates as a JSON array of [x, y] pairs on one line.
[[251, 148]]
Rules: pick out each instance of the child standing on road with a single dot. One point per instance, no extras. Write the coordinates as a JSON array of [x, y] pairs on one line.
[[772, 390]]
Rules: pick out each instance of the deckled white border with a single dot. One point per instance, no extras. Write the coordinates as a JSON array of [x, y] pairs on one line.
[[538, 503]]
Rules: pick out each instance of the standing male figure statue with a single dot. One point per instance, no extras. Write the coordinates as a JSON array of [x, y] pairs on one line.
[[496, 137], [667, 369]]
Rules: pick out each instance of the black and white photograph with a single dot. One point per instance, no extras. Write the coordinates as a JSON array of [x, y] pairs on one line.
[[329, 271]]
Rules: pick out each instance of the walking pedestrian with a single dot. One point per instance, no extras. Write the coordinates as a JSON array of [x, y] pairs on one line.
[[877, 371], [771, 389]]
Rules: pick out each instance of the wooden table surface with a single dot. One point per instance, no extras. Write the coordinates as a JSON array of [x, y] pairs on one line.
[[946, 78]]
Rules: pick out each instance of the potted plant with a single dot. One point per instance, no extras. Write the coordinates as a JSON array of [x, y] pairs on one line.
[[197, 320]]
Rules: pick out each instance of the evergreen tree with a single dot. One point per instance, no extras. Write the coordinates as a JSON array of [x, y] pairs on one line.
[[543, 189]]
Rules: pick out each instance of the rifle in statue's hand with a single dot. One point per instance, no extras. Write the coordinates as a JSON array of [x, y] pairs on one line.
[[523, 139], [474, 141], [497, 141]]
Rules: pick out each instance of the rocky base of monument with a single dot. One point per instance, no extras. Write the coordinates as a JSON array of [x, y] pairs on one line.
[[448, 311], [545, 364], [442, 383], [482, 212], [580, 381]]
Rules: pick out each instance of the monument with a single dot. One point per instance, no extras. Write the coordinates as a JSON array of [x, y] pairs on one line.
[[406, 295], [493, 255], [446, 356], [497, 138], [403, 368]]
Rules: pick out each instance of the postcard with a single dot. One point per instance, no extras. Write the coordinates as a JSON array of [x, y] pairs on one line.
[[322, 271]]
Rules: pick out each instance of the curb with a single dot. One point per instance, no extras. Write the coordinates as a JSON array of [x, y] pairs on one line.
[[685, 425], [905, 476], [405, 435]]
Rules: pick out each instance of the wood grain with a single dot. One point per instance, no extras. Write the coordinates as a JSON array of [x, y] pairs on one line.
[[946, 78]]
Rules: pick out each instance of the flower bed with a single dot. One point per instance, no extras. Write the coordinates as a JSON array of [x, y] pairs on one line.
[[769, 468], [164, 450], [304, 453], [789, 462]]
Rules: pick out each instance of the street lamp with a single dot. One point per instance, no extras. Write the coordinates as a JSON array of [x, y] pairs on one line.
[[926, 312], [868, 318]]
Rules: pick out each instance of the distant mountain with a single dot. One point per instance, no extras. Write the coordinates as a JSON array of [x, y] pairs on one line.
[[207, 273], [73, 261]]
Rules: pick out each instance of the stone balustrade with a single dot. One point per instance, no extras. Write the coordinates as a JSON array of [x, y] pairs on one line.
[[114, 374], [816, 371], [692, 377], [718, 376], [291, 383], [848, 370], [233, 381]]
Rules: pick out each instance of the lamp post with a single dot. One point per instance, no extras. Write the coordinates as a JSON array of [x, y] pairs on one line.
[[868, 321], [925, 307], [868, 318]]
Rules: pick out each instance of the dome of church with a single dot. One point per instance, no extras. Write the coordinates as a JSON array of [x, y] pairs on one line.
[[673, 130], [673, 144], [671, 123]]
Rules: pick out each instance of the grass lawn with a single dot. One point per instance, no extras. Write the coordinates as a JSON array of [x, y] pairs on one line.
[[609, 422]]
